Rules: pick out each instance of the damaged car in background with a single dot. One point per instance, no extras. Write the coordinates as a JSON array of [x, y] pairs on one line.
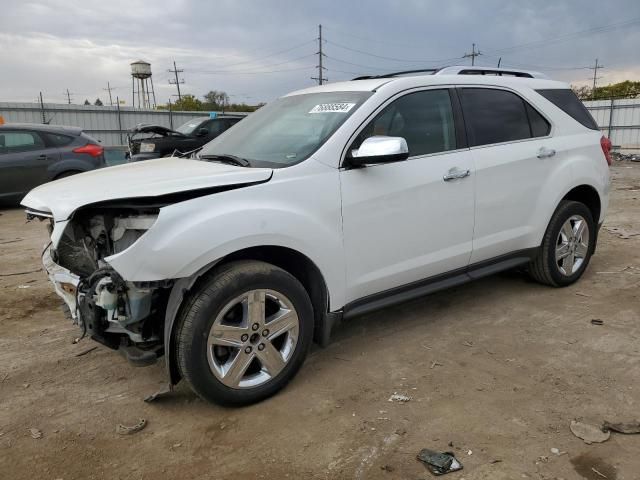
[[325, 204], [148, 141]]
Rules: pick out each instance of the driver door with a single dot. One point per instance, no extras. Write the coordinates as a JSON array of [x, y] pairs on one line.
[[404, 221]]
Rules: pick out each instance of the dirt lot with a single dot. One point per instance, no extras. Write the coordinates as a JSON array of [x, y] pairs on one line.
[[497, 369]]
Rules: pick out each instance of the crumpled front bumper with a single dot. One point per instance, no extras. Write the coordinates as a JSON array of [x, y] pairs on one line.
[[64, 282]]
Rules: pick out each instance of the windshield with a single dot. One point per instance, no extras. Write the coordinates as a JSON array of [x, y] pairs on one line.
[[189, 127], [287, 130]]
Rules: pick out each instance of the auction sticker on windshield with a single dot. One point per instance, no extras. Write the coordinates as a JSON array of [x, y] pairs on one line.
[[332, 108]]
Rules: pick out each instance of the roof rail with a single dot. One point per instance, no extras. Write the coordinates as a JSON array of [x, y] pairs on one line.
[[501, 72], [429, 71], [461, 70]]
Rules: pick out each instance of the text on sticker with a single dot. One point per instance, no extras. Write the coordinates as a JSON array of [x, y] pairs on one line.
[[332, 108]]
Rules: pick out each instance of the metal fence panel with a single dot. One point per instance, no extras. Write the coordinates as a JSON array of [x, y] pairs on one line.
[[107, 124], [619, 119]]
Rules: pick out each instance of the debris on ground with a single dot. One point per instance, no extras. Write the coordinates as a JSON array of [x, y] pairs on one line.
[[589, 433], [128, 430], [84, 352], [626, 428], [580, 294], [399, 397], [436, 364], [596, 321], [557, 452], [387, 468], [439, 463], [620, 157], [35, 433], [621, 232], [20, 273]]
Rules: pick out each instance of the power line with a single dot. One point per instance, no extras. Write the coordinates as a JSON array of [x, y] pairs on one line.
[[473, 54], [442, 60], [177, 81], [320, 78], [263, 66], [262, 57], [569, 36], [308, 67]]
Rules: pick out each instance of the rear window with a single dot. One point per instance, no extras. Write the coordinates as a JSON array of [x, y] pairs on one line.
[[58, 140], [570, 104]]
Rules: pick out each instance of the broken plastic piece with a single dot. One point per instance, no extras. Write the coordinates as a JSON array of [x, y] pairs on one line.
[[439, 463], [589, 433], [163, 392], [126, 430]]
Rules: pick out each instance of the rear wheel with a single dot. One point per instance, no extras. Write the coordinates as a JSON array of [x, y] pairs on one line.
[[567, 246], [245, 333]]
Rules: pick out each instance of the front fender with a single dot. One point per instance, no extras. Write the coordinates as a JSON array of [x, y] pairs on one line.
[[298, 213]]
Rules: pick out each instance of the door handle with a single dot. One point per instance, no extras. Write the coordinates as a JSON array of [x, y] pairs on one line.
[[43, 157], [545, 152], [455, 174]]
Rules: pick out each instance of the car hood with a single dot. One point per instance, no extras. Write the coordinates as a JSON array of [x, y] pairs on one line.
[[157, 129], [155, 178]]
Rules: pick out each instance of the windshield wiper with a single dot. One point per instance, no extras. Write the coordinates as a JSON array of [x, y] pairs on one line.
[[227, 158]]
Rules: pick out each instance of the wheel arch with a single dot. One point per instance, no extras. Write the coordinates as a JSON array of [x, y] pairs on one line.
[[288, 259], [589, 196]]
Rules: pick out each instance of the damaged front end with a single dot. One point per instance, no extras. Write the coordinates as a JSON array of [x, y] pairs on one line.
[[122, 315]]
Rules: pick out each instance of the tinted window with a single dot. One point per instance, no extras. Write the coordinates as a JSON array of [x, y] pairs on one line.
[[58, 140], [423, 119], [539, 125], [215, 126], [568, 102], [494, 116], [11, 142]]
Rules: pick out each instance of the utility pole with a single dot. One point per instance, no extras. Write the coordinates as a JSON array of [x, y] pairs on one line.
[[44, 118], [499, 62], [177, 81], [68, 97], [320, 78], [108, 89], [473, 54], [595, 78]]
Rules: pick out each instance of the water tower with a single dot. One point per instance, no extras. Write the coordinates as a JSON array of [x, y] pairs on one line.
[[140, 78]]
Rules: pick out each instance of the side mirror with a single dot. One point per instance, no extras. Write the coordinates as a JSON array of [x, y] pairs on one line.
[[202, 132], [379, 149]]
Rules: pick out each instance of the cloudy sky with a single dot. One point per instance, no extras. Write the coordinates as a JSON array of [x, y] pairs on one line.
[[257, 50]]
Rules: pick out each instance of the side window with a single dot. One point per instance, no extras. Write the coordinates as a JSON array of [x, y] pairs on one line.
[[539, 125], [568, 102], [424, 119], [494, 116], [58, 140], [14, 142]]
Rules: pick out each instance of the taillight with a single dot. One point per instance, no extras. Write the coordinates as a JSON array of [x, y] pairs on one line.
[[605, 143], [90, 149]]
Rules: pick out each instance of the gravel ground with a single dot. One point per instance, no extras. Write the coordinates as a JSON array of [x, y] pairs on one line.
[[496, 370]]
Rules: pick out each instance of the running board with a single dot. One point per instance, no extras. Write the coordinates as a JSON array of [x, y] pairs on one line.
[[434, 284]]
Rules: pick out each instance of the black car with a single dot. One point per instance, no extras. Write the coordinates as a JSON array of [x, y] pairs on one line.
[[163, 141], [33, 154]]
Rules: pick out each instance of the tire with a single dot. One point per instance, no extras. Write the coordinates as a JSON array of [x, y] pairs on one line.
[[224, 358], [66, 174], [549, 270]]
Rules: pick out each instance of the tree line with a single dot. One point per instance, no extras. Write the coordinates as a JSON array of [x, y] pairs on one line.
[[626, 89]]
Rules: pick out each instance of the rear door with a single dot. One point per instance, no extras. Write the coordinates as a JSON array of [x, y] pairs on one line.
[[25, 158], [515, 153]]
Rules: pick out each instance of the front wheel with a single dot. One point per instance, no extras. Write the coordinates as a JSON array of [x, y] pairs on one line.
[[245, 333], [567, 246]]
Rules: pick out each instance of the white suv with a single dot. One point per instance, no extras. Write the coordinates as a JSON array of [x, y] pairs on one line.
[[327, 203]]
